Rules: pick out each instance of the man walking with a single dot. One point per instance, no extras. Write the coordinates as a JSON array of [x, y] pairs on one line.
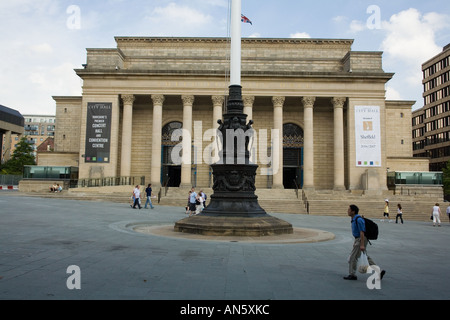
[[148, 191], [137, 197], [360, 243]]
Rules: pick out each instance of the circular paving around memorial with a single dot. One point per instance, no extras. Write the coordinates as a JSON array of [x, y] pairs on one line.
[[299, 235]]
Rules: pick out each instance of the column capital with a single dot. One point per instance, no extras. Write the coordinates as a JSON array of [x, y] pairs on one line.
[[338, 102], [278, 101], [188, 99], [218, 100], [128, 98], [248, 100], [308, 102], [158, 99]]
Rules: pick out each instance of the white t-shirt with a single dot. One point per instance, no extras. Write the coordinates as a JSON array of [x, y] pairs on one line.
[[436, 210], [137, 193]]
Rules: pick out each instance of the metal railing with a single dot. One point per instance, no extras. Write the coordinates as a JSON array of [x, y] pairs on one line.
[[110, 181], [305, 201], [9, 180]]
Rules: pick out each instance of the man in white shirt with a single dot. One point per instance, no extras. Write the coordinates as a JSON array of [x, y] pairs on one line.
[[137, 197]]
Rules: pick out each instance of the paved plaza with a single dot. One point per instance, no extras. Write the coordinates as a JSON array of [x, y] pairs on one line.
[[41, 238]]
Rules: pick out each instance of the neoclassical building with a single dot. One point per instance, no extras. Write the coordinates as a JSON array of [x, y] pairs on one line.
[[320, 113]]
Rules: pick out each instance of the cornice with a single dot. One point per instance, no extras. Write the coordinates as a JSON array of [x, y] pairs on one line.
[[120, 39], [85, 73]]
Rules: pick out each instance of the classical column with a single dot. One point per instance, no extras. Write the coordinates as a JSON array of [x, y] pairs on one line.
[[338, 104], [127, 130], [158, 101], [278, 103], [248, 106], [217, 114], [308, 148], [186, 163]]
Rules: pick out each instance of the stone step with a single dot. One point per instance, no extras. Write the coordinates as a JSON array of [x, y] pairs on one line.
[[328, 202], [412, 210]]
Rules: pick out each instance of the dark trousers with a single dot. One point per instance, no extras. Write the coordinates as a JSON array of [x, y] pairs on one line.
[[136, 202], [396, 218]]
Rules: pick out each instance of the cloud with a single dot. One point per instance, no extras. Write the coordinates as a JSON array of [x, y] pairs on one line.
[[357, 26], [392, 94], [300, 35], [178, 19], [411, 36], [42, 48]]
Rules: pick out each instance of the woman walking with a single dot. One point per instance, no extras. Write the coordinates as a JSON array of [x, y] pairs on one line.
[[399, 213], [436, 214]]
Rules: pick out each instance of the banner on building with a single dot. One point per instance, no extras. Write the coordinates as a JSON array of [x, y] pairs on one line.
[[98, 133], [368, 136]]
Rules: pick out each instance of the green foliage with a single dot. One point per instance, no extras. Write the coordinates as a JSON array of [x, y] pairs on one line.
[[22, 156], [446, 178]]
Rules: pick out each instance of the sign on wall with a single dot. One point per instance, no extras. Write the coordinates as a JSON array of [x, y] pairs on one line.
[[98, 133], [368, 136]]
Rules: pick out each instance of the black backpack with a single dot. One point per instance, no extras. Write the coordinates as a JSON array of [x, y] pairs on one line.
[[371, 229]]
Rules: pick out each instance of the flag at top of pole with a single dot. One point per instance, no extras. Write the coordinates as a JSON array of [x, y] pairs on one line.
[[245, 19]]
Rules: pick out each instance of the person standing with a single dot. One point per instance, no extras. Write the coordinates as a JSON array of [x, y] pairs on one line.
[[360, 243], [137, 197], [436, 214], [399, 213], [448, 212], [200, 205], [386, 210], [148, 191], [204, 198], [192, 202]]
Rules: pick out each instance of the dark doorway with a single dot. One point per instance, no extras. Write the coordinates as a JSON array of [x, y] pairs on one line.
[[170, 170], [172, 176], [291, 178], [292, 156]]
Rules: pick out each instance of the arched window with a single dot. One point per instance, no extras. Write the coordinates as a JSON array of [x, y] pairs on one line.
[[167, 131]]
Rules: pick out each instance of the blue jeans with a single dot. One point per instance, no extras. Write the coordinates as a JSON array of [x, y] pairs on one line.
[[148, 201]]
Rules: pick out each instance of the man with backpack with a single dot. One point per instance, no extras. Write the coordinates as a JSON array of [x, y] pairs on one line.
[[361, 239]]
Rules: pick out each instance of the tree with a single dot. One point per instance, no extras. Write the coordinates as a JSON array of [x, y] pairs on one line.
[[446, 179], [22, 156]]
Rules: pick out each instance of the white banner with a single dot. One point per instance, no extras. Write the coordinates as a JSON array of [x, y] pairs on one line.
[[368, 136]]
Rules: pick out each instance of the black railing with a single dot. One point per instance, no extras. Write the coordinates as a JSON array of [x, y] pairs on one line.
[[110, 181]]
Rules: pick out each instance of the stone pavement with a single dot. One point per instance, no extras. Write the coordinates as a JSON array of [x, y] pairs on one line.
[[40, 238]]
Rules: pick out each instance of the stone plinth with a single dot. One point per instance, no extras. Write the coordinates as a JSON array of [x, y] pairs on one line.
[[234, 226]]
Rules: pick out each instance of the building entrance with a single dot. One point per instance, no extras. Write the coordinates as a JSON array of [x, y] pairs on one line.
[[292, 156], [170, 173]]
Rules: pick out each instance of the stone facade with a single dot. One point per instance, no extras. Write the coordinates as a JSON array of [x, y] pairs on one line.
[[311, 84]]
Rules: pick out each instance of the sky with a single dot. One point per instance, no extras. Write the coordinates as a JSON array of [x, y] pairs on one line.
[[43, 41]]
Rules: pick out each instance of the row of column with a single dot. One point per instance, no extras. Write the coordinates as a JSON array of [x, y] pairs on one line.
[[278, 104]]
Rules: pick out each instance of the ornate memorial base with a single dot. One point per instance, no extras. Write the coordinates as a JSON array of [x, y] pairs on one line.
[[234, 208], [234, 226]]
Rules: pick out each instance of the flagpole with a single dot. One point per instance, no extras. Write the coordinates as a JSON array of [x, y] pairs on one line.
[[235, 60]]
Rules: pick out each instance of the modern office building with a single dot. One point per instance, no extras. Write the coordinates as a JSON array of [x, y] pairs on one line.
[[431, 124], [37, 129], [11, 124]]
